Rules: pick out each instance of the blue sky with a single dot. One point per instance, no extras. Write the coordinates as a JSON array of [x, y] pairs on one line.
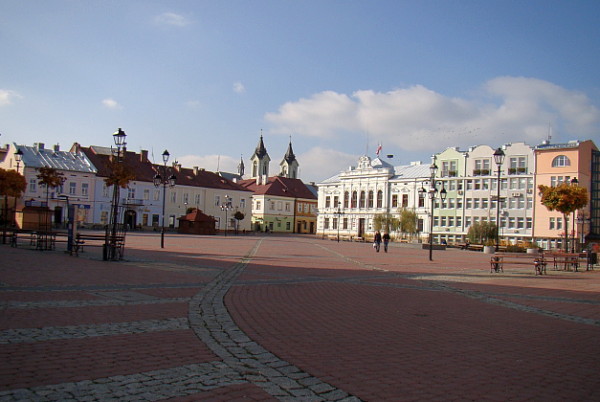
[[203, 78]]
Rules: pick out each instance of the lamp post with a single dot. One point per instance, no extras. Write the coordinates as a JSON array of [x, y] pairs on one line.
[[226, 207], [499, 159], [158, 180], [574, 182], [432, 196], [339, 213], [110, 245], [18, 159]]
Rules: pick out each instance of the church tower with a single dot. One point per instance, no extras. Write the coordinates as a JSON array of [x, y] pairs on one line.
[[260, 163], [241, 167], [289, 165]]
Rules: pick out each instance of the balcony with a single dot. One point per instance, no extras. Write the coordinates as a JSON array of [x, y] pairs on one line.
[[132, 202]]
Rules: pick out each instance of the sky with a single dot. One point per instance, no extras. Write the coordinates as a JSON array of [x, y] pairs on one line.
[[205, 79]]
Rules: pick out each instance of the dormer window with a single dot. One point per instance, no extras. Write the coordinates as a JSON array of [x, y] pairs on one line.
[[561, 161]]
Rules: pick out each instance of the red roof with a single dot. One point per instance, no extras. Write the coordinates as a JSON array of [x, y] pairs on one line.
[[280, 187]]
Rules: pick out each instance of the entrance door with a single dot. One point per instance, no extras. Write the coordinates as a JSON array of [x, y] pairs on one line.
[[361, 227], [130, 219], [58, 216]]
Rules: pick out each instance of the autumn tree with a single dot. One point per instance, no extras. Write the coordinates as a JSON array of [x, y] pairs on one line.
[[408, 222], [120, 174], [12, 184], [385, 221], [50, 178], [482, 232], [565, 199]]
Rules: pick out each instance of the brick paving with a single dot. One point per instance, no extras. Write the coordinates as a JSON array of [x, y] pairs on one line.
[[291, 318]]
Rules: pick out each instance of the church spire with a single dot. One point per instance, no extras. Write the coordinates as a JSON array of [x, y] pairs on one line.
[[289, 164], [241, 166]]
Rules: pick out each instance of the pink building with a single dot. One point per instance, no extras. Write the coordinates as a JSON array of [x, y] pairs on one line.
[[562, 163]]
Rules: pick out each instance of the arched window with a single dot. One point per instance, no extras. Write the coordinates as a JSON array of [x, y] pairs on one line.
[[370, 199], [361, 202], [560, 161], [354, 199], [380, 199], [346, 199]]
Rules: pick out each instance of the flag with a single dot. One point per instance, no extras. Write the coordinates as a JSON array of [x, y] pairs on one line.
[[378, 149]]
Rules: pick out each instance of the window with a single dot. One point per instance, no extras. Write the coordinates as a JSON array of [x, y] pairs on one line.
[[217, 200], [105, 190], [421, 201], [272, 206], [72, 188], [186, 198], [288, 225], [146, 194], [395, 201], [326, 223], [346, 199], [345, 223], [334, 223], [370, 199], [405, 200], [380, 199], [104, 217], [336, 201], [242, 202], [32, 185], [552, 223], [258, 205], [354, 199], [279, 205], [84, 189], [327, 202], [287, 207], [561, 161], [156, 195], [173, 196], [299, 207], [362, 200], [130, 192]]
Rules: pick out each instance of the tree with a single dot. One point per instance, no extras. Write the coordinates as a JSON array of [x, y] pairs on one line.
[[385, 222], [51, 178], [565, 199], [238, 216], [482, 232], [120, 174], [12, 184], [408, 222]]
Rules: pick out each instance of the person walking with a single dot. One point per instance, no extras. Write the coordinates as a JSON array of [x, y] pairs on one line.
[[377, 241], [386, 241]]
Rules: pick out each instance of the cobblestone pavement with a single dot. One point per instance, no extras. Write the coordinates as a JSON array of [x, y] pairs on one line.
[[291, 318]]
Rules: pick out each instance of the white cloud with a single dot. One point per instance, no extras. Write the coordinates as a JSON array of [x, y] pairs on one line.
[[193, 104], [417, 118], [172, 19], [318, 163], [7, 97], [111, 104], [238, 87]]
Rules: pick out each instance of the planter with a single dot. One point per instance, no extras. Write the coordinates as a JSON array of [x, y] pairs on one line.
[[489, 249]]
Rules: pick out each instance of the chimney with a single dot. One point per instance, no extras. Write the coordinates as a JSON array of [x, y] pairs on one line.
[[39, 146], [195, 170], [144, 155], [57, 148]]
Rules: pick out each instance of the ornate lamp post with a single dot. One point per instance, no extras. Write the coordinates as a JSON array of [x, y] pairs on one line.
[[110, 245], [499, 159], [574, 182], [18, 159], [226, 207], [432, 196], [158, 180], [339, 214]]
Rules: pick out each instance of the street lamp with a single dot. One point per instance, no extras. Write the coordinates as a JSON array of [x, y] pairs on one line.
[[226, 207], [110, 245], [499, 159], [432, 196], [339, 213], [18, 159], [574, 182], [158, 180]]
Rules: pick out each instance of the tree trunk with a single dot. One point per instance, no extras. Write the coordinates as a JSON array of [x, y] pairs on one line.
[[566, 222]]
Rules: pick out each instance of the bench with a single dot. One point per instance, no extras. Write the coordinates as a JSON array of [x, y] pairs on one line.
[[566, 259], [538, 262], [97, 240]]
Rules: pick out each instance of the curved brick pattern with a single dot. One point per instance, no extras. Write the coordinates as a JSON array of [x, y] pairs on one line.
[[212, 323]]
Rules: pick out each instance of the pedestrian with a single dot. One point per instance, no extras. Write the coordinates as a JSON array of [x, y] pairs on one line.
[[377, 241], [386, 241]]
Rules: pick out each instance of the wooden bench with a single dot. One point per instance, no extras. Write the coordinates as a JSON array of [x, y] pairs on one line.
[[566, 260], [83, 239], [538, 262]]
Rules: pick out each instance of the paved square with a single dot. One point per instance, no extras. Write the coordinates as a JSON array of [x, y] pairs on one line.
[[291, 318]]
